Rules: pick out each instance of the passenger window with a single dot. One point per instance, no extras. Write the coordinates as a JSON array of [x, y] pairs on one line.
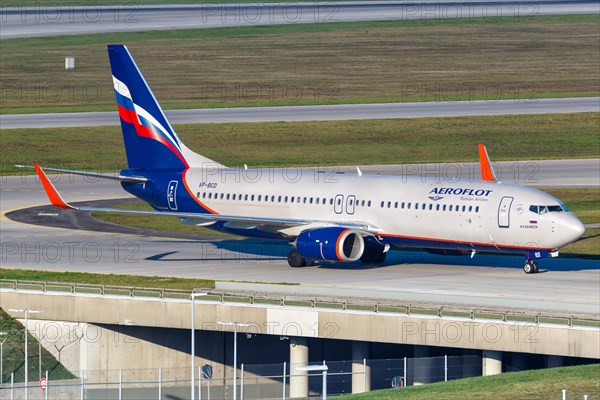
[[408, 206], [286, 199], [444, 207], [477, 209], [317, 200], [389, 204], [430, 207], [210, 195], [464, 208], [203, 196], [437, 207], [369, 203], [449, 209], [396, 205], [470, 208], [279, 201], [311, 200], [292, 199], [259, 197], [403, 204]]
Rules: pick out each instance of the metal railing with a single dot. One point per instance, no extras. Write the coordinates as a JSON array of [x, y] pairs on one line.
[[342, 304]]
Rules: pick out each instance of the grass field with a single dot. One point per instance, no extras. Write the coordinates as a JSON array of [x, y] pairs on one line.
[[354, 142], [107, 279], [425, 60], [532, 385]]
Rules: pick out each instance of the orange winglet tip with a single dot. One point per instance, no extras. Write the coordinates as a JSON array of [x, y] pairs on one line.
[[487, 171], [51, 191]]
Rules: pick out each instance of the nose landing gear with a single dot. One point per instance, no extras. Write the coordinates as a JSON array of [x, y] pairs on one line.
[[530, 267]]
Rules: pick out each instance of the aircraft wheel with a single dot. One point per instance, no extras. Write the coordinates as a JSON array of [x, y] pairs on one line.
[[295, 260], [529, 267]]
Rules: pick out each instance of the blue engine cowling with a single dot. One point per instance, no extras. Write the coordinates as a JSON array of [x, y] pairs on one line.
[[332, 244]]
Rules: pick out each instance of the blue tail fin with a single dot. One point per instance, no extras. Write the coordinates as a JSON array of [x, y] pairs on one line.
[[150, 141]]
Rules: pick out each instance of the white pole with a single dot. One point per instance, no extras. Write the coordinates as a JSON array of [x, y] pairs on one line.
[[193, 348], [2, 358], [234, 362], [242, 384], [120, 384], [26, 355], [12, 385], [324, 382], [47, 387], [160, 384], [199, 383], [82, 385], [405, 382], [284, 374], [364, 374], [40, 358], [2, 362], [445, 368], [564, 394]]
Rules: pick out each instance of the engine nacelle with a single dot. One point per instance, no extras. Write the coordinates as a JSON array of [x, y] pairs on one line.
[[332, 244]]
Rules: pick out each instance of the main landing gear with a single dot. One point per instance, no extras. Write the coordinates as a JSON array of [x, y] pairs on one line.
[[295, 260], [530, 267]]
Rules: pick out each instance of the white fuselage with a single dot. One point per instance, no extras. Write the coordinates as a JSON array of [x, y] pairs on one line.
[[469, 212]]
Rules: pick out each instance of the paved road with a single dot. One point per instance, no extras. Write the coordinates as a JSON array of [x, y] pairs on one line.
[[571, 283], [317, 113], [53, 21]]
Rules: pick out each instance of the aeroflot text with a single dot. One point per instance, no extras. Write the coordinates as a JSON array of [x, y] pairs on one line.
[[461, 192]]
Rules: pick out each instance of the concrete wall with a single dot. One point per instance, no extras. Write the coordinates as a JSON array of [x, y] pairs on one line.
[[317, 323]]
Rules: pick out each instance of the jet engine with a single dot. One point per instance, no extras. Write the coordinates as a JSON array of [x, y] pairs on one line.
[[331, 243]]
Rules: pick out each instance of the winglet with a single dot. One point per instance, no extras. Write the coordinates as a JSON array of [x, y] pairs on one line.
[[487, 171], [53, 195]]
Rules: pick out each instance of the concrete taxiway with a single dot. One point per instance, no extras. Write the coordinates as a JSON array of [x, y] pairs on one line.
[[51, 20], [565, 285], [318, 112]]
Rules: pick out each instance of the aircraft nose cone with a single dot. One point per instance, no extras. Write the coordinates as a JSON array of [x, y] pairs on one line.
[[572, 229]]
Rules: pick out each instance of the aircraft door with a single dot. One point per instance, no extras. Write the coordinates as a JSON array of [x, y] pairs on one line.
[[504, 212], [338, 204], [172, 195], [350, 204]]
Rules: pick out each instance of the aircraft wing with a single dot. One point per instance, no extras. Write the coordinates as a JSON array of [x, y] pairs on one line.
[[285, 225]]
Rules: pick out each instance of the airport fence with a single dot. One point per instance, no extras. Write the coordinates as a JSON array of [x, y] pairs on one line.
[[253, 381]]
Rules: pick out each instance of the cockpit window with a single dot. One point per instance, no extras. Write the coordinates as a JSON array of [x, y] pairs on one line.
[[533, 209], [543, 209]]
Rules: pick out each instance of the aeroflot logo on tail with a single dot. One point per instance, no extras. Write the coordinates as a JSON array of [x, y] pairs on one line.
[[437, 192]]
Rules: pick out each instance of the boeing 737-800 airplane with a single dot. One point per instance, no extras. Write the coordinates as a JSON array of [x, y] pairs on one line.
[[326, 216]]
